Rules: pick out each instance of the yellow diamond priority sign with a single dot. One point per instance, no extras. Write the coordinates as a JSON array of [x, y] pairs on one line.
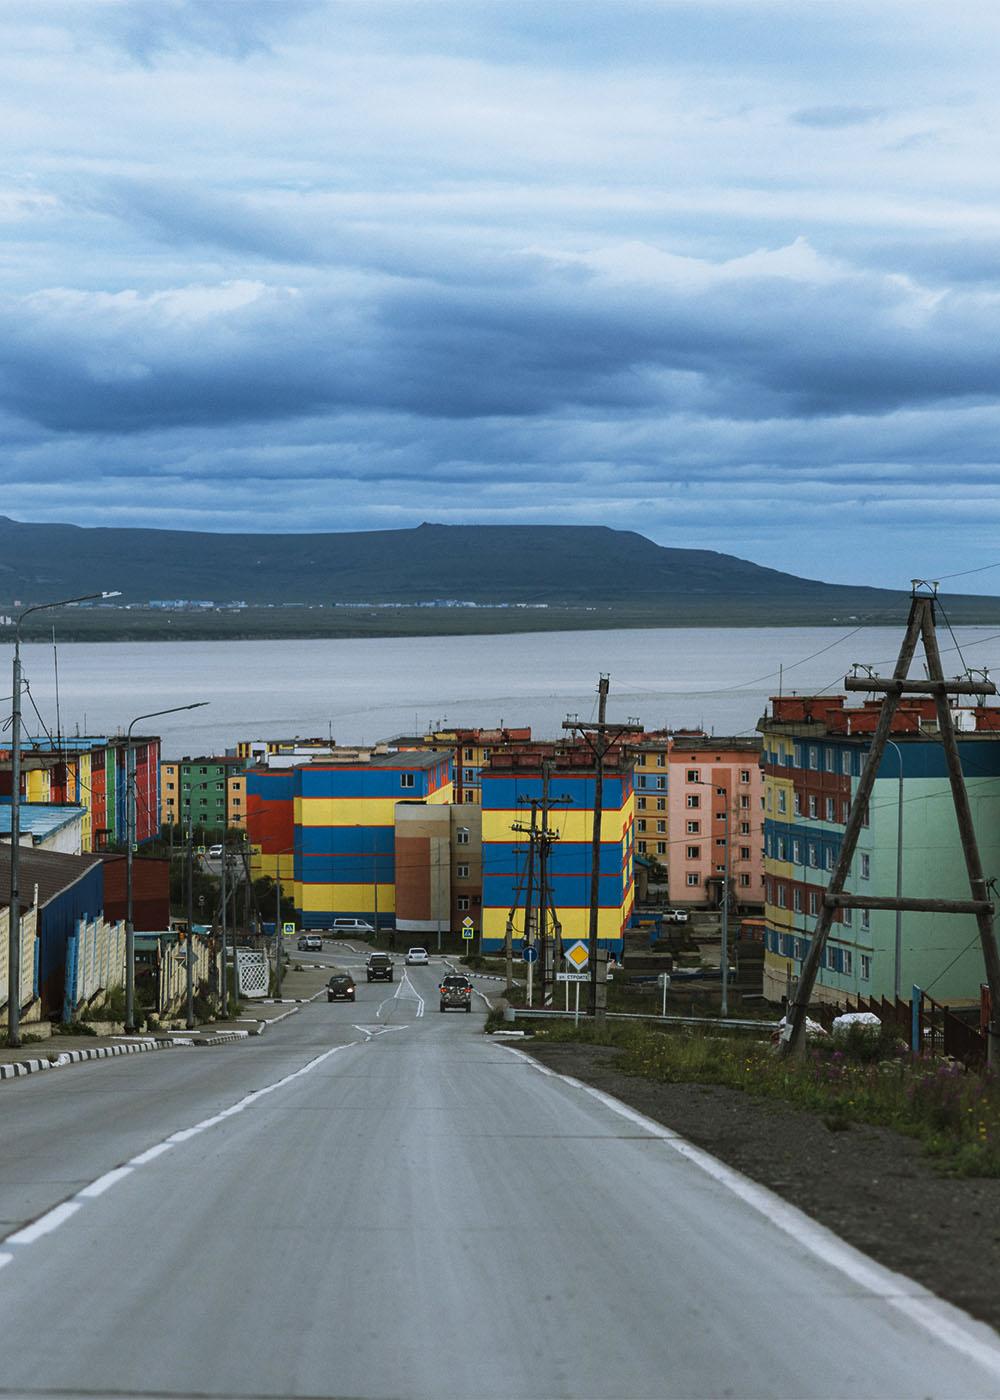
[[578, 956]]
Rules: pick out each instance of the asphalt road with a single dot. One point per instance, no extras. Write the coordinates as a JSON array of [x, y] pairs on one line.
[[374, 1200]]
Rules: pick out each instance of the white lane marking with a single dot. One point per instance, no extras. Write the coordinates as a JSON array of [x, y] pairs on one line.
[[948, 1323], [45, 1224], [414, 994], [103, 1183], [55, 1217]]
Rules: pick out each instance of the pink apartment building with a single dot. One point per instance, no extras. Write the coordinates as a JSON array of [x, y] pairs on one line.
[[699, 804]]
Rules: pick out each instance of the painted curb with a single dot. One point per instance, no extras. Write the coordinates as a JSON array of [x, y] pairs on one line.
[[74, 1057]]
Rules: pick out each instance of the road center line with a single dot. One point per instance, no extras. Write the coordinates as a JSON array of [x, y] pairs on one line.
[[949, 1324]]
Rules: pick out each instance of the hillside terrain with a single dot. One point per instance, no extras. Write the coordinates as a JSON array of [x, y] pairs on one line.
[[519, 576]]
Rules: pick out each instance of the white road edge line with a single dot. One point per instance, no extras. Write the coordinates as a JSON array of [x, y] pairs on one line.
[[949, 1324], [55, 1217]]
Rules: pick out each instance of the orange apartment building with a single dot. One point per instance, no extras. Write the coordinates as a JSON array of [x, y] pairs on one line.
[[699, 806]]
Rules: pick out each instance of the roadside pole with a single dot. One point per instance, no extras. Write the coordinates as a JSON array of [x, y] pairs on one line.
[[225, 969], [190, 929]]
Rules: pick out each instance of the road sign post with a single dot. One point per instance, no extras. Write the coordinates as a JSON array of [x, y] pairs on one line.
[[530, 955]]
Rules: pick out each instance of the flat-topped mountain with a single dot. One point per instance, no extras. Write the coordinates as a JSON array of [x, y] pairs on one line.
[[562, 566]]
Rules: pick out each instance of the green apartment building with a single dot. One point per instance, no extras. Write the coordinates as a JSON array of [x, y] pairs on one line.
[[814, 752], [194, 792]]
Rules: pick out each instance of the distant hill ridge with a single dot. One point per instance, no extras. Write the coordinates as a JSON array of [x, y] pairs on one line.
[[576, 565]]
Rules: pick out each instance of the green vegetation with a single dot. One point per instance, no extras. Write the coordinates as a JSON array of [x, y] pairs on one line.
[[862, 1078]]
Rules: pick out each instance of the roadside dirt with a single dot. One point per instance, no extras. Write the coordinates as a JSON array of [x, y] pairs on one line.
[[873, 1187]]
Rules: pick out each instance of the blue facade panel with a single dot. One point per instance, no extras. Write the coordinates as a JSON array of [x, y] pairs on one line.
[[57, 921]]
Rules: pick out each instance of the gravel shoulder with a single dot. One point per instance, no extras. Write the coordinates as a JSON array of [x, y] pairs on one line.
[[873, 1187]]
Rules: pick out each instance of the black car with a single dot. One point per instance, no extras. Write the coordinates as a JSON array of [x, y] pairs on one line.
[[341, 984], [379, 967]]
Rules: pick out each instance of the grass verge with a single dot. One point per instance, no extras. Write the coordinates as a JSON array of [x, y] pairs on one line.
[[954, 1112]]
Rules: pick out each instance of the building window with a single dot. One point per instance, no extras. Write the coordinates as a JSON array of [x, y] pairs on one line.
[[845, 763], [660, 761], [640, 780], [744, 853], [797, 899], [642, 848], [692, 879], [462, 901], [641, 823], [797, 754], [744, 775], [745, 803], [797, 851], [661, 848], [694, 828], [828, 858], [831, 810], [866, 919], [694, 775], [462, 836], [406, 780], [202, 770], [694, 799], [661, 804], [782, 849], [866, 866], [468, 775], [462, 871], [782, 801], [744, 880], [831, 760], [845, 811], [170, 787], [813, 857], [796, 804], [694, 852], [847, 917], [813, 903], [782, 897], [864, 819], [469, 755], [470, 796], [661, 826], [641, 804], [866, 967], [744, 828], [661, 783], [237, 801]]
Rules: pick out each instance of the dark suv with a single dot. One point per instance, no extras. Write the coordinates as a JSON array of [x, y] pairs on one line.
[[379, 967], [456, 991]]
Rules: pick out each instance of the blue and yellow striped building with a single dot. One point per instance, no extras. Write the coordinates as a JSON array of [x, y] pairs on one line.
[[508, 786], [332, 828]]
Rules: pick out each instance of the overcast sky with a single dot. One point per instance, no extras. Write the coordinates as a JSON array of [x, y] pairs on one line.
[[726, 272]]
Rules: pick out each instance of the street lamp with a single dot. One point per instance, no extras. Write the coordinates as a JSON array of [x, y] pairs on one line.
[[129, 843], [14, 928], [898, 965]]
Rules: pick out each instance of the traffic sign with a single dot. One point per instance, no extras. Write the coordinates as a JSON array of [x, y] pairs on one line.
[[468, 932], [578, 956], [287, 928], [529, 953], [572, 976], [467, 922]]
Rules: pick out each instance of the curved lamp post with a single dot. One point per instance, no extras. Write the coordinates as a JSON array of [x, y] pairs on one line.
[[14, 931], [129, 843]]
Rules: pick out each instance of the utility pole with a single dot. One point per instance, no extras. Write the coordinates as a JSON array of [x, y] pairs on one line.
[[541, 839], [599, 738], [190, 930], [920, 626], [279, 939], [224, 893]]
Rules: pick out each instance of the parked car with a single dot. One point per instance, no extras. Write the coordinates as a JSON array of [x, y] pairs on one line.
[[416, 957], [379, 967], [456, 991], [214, 853], [676, 916], [310, 943], [357, 928], [341, 985]]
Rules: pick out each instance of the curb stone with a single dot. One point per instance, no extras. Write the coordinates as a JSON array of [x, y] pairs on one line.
[[74, 1057]]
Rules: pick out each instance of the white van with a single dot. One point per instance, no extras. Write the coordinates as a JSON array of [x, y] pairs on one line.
[[351, 928]]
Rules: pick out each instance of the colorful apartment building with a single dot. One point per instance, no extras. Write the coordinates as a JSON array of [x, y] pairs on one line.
[[472, 748], [510, 781], [814, 752], [91, 773], [699, 813], [236, 801], [195, 792], [329, 829]]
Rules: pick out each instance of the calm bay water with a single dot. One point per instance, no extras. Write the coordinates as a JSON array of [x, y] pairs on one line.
[[363, 690]]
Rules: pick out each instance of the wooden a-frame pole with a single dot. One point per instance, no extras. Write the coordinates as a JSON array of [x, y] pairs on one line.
[[920, 625]]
